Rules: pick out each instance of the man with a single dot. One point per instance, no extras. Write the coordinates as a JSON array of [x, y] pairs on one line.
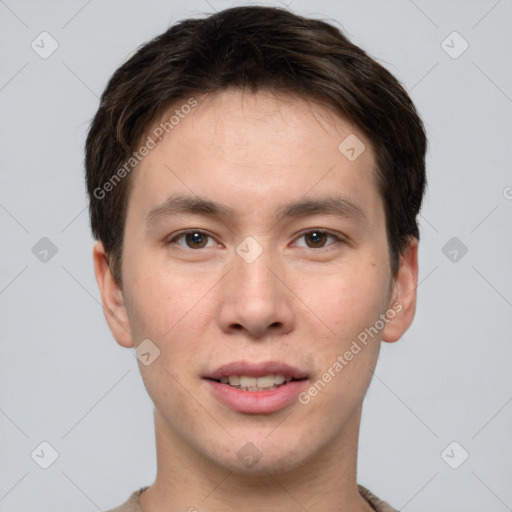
[[254, 183]]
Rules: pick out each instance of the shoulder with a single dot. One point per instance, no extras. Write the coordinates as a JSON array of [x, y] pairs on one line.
[[130, 505], [376, 503]]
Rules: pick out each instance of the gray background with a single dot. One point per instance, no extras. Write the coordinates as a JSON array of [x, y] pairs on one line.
[[65, 381]]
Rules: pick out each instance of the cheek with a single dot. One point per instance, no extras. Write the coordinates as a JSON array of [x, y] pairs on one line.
[[165, 310], [351, 309], [348, 301], [346, 354], [168, 309], [161, 303]]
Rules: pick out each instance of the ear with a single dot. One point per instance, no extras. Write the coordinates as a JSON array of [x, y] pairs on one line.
[[112, 298], [403, 297]]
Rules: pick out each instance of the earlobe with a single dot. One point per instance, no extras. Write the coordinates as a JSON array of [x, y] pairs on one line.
[[112, 298], [403, 299]]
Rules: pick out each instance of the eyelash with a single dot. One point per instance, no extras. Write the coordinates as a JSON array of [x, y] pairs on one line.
[[181, 234]]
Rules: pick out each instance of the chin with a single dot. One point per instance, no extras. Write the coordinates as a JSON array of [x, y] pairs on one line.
[[260, 458], [274, 465]]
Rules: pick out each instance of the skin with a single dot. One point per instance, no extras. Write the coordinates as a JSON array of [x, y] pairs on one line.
[[299, 302]]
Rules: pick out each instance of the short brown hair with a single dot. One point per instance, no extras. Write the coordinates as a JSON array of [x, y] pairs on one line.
[[256, 48]]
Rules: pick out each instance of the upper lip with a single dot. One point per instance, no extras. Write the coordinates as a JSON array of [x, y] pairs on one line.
[[256, 370]]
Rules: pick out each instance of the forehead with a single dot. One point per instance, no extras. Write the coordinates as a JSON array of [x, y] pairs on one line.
[[232, 118], [251, 149]]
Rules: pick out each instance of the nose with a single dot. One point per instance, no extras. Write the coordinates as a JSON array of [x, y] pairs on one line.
[[255, 299]]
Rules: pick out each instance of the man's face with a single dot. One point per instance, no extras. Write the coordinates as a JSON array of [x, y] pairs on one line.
[[292, 276]]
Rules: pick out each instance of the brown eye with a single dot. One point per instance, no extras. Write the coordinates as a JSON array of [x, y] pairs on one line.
[[196, 240], [192, 240], [316, 239]]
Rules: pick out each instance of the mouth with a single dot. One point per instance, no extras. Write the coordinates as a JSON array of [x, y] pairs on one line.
[[249, 383], [257, 388]]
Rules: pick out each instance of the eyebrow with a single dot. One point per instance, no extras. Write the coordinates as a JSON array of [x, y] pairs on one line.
[[180, 204]]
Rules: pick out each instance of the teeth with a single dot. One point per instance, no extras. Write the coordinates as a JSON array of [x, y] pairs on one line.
[[265, 382], [279, 379], [247, 382], [255, 383]]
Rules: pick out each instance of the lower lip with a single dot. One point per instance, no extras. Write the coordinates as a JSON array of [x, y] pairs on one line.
[[257, 402]]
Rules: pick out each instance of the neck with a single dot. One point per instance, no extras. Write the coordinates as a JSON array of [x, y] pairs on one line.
[[187, 481]]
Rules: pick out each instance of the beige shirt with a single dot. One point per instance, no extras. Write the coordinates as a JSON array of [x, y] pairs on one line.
[[132, 505]]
